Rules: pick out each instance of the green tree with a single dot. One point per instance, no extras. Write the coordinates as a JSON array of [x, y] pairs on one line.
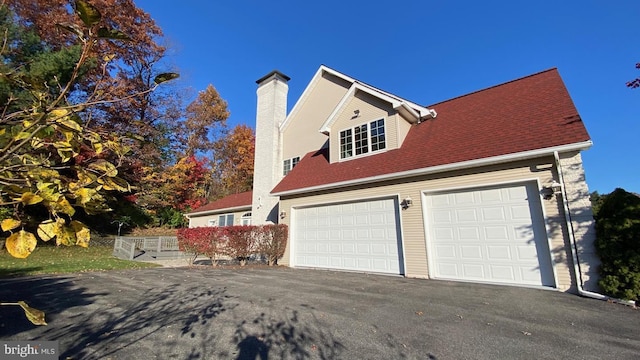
[[618, 244]]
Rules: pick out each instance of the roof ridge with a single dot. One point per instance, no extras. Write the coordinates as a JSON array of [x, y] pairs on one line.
[[492, 87]]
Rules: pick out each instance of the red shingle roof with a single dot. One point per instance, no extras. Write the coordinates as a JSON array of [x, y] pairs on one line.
[[530, 113], [231, 201]]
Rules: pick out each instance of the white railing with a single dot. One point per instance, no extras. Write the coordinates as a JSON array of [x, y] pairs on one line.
[[125, 247]]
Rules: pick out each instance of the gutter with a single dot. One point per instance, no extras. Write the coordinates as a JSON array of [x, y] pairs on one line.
[[441, 168], [574, 248]]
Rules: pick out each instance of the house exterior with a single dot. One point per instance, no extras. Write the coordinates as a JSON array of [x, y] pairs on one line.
[[486, 187]]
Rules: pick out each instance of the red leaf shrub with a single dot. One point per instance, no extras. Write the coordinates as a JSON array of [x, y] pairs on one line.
[[272, 241], [208, 241], [237, 242], [241, 242]]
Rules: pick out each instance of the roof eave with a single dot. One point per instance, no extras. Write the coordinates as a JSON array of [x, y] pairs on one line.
[[524, 155], [216, 211], [410, 111]]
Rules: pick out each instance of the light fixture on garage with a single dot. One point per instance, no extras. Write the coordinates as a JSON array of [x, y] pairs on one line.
[[283, 214], [553, 189], [406, 203]]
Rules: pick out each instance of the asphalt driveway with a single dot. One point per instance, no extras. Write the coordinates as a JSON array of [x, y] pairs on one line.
[[283, 313]]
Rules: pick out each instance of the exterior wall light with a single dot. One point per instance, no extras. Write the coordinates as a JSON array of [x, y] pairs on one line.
[[553, 189], [283, 214], [406, 203]]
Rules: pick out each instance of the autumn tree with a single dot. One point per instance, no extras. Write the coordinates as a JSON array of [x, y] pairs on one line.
[[206, 119], [233, 166], [154, 119], [52, 154], [179, 188]]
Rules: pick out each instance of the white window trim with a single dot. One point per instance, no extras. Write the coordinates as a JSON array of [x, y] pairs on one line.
[[233, 218], [292, 163], [353, 141], [245, 219]]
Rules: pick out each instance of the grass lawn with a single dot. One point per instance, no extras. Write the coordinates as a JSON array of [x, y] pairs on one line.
[[63, 259]]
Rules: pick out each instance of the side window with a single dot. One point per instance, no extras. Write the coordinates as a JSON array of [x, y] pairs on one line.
[[377, 135], [289, 164], [346, 144]]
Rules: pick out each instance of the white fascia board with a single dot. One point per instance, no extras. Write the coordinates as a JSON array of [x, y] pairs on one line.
[[217, 211], [414, 116], [418, 108], [447, 167], [395, 102], [316, 77], [326, 127]]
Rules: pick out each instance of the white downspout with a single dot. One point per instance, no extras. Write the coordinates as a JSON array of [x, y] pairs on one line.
[[572, 241]]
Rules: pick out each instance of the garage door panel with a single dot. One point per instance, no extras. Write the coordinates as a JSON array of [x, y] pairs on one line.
[[489, 196], [473, 271], [504, 273], [495, 235], [498, 253], [442, 217], [465, 215], [527, 253], [446, 252], [471, 252], [463, 198], [363, 236], [464, 234], [520, 213], [448, 270]]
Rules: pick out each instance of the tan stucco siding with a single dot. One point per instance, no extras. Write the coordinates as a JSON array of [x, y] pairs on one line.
[[540, 171], [301, 133], [199, 221], [370, 109]]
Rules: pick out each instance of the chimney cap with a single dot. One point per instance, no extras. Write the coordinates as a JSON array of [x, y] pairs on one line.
[[272, 73]]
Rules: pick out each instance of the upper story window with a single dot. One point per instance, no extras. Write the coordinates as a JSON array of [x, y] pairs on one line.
[[362, 139], [289, 164]]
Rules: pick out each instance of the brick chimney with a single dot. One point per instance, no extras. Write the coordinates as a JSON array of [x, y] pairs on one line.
[[271, 113]]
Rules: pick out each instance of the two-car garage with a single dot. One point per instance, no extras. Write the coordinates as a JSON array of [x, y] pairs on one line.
[[493, 234]]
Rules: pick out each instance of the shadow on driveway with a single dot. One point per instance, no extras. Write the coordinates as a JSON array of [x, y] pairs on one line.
[[282, 313]]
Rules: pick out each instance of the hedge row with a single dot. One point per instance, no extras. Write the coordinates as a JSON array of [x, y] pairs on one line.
[[237, 242]]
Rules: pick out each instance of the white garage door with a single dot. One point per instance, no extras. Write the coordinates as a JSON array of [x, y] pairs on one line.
[[359, 236], [493, 234]]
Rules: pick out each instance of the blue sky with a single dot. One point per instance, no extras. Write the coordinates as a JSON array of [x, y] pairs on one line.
[[424, 51]]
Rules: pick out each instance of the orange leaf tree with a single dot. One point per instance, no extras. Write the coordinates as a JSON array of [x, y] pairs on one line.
[[233, 162]]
